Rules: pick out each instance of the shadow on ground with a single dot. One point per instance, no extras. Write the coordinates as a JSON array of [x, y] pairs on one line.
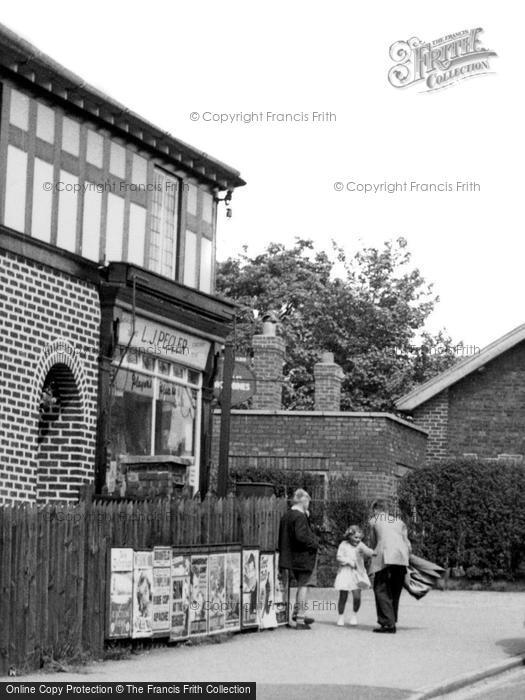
[[514, 646]]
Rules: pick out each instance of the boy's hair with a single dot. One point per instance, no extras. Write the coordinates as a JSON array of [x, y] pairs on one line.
[[380, 504], [353, 530]]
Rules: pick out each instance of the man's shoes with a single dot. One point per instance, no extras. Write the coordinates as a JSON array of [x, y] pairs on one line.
[[341, 621], [385, 630], [307, 620], [353, 620], [302, 626]]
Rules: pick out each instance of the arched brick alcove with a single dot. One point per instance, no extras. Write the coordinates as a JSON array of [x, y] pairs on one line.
[[64, 453]]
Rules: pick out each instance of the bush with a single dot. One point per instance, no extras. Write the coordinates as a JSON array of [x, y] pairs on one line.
[[464, 513]]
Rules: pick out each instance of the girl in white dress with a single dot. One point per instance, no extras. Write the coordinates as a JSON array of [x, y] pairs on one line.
[[352, 574]]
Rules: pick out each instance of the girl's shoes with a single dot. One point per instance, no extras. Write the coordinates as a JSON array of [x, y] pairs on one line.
[[341, 621], [353, 620]]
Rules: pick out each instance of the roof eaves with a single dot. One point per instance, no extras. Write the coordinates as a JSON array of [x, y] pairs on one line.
[[25, 61], [442, 381]]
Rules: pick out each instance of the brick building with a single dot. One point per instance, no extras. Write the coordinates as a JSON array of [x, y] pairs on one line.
[[477, 407], [109, 321], [377, 449]]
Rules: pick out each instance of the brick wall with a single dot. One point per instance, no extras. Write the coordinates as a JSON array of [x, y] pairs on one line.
[[433, 417], [370, 446], [49, 323], [487, 409]]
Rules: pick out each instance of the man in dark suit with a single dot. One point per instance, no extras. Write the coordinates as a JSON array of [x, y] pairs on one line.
[[297, 552], [389, 564]]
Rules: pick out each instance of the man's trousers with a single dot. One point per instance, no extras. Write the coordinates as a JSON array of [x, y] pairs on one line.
[[388, 584]]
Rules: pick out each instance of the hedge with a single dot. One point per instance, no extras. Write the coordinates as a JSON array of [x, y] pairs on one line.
[[468, 516]]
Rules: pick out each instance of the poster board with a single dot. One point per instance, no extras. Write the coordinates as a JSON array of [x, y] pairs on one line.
[[161, 591], [233, 589], [142, 594], [250, 587], [216, 592], [198, 617], [281, 597], [180, 596], [266, 608], [120, 604]]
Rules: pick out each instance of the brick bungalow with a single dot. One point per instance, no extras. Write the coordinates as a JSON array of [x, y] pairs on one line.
[[477, 407]]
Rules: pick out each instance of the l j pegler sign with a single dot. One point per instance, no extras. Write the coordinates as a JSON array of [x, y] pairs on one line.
[[439, 63]]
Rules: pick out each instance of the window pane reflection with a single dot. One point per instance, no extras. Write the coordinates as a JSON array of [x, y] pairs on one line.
[[131, 412], [174, 420]]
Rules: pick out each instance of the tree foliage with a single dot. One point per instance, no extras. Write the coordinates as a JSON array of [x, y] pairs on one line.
[[367, 310]]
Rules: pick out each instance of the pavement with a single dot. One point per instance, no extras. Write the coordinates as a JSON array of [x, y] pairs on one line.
[[448, 635]]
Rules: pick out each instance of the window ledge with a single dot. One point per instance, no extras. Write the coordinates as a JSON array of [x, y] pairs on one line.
[[156, 459]]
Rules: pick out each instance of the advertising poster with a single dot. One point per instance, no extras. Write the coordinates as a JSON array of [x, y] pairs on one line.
[[120, 609], [180, 597], [161, 590], [250, 587], [233, 591], [216, 593], [199, 594], [142, 594], [266, 608], [281, 596]]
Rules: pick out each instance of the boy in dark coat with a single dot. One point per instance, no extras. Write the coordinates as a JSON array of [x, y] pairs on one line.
[[297, 552]]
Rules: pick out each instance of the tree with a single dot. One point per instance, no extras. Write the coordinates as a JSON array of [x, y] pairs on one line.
[[368, 316]]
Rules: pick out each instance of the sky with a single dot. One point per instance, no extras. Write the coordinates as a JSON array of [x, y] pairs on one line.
[[171, 60]]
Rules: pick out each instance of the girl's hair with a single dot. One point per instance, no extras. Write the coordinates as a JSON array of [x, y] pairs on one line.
[[353, 530]]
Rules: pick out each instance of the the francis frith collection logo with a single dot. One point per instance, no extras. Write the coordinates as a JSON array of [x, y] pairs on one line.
[[439, 63]]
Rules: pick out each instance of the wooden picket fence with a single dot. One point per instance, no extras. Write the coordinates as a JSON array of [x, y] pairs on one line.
[[53, 562]]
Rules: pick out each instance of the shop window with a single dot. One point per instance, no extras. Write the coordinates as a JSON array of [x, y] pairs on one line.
[[175, 420], [153, 407], [131, 414], [15, 200]]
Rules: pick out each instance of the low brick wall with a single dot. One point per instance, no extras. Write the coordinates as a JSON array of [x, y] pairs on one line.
[[375, 448]]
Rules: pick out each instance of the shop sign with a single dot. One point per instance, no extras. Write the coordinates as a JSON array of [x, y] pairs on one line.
[[243, 383], [152, 338]]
